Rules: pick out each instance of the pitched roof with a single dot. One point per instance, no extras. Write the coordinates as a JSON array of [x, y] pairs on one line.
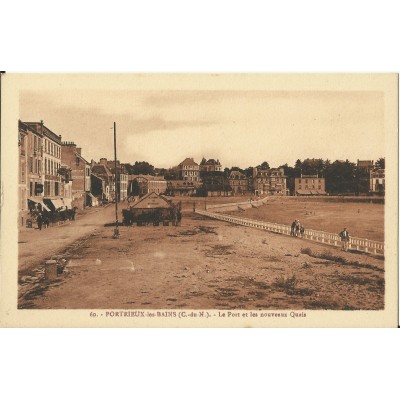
[[101, 170], [237, 175], [152, 200], [365, 163], [188, 161], [211, 161]]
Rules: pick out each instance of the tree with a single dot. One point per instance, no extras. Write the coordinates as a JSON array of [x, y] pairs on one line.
[[290, 173], [380, 163], [143, 168], [341, 177], [264, 165], [248, 172]]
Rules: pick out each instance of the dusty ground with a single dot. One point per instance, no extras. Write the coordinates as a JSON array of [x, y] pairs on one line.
[[205, 264], [362, 220]]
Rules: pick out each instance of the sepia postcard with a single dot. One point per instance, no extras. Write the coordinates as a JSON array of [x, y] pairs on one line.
[[199, 200]]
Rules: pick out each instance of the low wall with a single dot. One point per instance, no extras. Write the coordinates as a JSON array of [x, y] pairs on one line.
[[333, 239], [244, 205]]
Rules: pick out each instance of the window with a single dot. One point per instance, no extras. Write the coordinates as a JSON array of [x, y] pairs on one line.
[[31, 164], [299, 180]]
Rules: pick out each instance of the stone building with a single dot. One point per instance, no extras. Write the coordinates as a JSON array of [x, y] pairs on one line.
[[71, 157], [377, 181], [144, 184], [48, 158], [188, 170], [121, 176], [210, 165], [103, 186], [270, 181], [182, 188], [23, 145], [365, 165], [309, 185], [238, 182]]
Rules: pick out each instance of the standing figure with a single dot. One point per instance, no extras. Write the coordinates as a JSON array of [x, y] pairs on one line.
[[301, 231], [345, 238], [293, 229], [39, 221]]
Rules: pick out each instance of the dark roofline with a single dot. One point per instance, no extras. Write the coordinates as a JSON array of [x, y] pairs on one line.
[[28, 127], [79, 156], [48, 132]]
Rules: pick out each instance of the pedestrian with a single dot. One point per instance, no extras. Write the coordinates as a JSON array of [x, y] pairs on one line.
[[39, 221], [293, 228], [297, 228], [301, 231], [194, 206], [345, 238], [178, 217]]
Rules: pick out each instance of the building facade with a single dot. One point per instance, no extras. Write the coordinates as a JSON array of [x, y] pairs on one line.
[[309, 185], [181, 188], [239, 183], [269, 182], [365, 165], [103, 183], [71, 157], [50, 161], [210, 165], [120, 176], [144, 184], [188, 170], [23, 138], [377, 181]]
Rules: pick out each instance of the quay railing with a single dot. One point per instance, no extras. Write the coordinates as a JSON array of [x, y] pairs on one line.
[[333, 239]]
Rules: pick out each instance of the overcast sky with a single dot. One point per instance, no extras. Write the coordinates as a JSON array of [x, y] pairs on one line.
[[240, 128]]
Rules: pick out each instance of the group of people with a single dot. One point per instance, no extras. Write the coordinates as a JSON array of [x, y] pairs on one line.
[[44, 218], [297, 230]]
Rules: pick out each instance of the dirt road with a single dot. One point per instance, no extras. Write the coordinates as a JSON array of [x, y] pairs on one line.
[[208, 264], [34, 245]]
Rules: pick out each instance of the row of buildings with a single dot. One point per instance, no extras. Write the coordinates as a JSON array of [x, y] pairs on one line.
[[54, 173]]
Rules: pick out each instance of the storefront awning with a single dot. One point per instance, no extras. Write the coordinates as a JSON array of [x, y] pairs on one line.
[[55, 204], [37, 201]]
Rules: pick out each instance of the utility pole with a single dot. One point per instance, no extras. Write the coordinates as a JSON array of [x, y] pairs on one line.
[[116, 230]]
